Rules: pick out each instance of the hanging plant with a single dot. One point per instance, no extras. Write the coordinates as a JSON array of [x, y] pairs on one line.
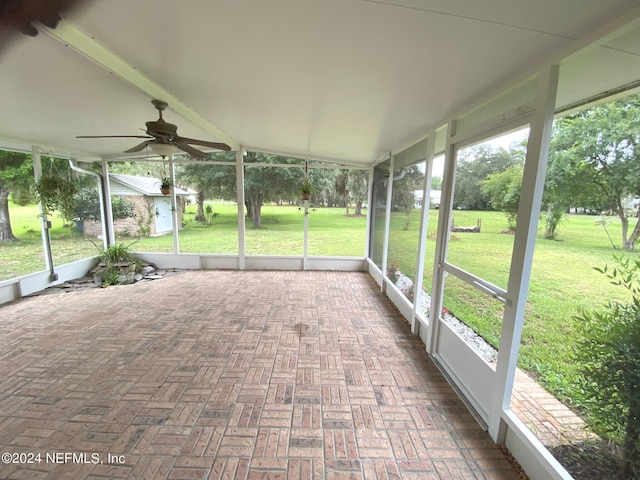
[[306, 189], [56, 194], [166, 185]]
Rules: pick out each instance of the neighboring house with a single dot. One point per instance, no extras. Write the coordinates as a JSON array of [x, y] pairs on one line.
[[153, 209], [434, 198]]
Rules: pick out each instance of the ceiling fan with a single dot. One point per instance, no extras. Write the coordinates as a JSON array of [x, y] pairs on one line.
[[163, 138]]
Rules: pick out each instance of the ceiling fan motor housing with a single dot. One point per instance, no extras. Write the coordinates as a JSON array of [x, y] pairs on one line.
[[160, 127]]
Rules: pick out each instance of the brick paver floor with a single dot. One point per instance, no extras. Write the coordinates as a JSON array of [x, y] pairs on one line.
[[227, 374]]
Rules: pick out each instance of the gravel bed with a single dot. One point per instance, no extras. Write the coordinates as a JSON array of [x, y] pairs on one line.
[[475, 341]]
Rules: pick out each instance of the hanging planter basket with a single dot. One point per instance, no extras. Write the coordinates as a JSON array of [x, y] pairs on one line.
[[166, 186], [305, 188]]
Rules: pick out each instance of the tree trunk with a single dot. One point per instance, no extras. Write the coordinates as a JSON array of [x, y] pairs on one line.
[[256, 208], [6, 234], [633, 238], [359, 207], [624, 222], [200, 203], [253, 203], [346, 200]]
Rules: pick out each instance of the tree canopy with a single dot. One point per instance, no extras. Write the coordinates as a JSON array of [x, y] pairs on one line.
[[16, 174], [595, 162], [502, 189], [475, 164]]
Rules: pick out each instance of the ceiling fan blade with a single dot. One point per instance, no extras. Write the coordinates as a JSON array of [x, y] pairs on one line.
[[113, 136], [194, 152], [139, 147], [204, 143]]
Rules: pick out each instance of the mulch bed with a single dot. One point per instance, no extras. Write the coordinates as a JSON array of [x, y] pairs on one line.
[[590, 460]]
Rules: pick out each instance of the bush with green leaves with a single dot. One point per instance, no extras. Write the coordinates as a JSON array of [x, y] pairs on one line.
[[119, 266], [609, 352], [88, 206], [115, 254]]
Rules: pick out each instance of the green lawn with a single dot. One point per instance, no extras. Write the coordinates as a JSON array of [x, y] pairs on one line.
[[331, 233], [563, 279]]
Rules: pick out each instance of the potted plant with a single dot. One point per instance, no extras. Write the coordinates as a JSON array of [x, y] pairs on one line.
[[165, 185], [306, 189]]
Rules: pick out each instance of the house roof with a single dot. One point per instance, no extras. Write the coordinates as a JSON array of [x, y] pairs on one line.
[[145, 185], [345, 80]]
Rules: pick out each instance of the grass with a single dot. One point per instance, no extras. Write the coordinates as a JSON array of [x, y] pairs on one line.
[[563, 280], [331, 233]]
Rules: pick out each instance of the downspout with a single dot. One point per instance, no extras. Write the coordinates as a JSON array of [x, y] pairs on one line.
[[46, 224], [105, 225]]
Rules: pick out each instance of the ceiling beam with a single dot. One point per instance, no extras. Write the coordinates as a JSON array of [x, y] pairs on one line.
[[74, 38]]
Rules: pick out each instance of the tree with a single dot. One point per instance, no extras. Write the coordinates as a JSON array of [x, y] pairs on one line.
[[359, 188], [503, 191], [16, 173], [595, 161], [342, 187], [264, 184], [210, 181], [609, 353], [476, 164], [405, 182]]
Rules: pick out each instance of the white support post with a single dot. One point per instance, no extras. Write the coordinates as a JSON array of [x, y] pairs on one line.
[[424, 225], [305, 248], [305, 241], [174, 207], [240, 200], [523, 247], [442, 239], [387, 221], [370, 210]]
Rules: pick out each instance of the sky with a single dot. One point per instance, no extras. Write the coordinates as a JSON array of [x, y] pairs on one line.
[[502, 141]]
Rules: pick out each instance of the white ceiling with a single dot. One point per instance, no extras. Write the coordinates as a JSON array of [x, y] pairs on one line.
[[336, 79]]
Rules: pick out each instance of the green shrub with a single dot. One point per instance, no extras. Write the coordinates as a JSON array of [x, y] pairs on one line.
[[87, 206], [609, 352], [116, 254]]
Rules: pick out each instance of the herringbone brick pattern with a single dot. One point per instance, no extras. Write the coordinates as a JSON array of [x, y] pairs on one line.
[[226, 374]]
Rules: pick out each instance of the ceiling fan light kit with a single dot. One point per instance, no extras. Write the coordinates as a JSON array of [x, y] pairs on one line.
[[163, 139], [163, 149]]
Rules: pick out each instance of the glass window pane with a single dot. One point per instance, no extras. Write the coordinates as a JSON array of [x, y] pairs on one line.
[[210, 220], [69, 241], [337, 213], [379, 202], [404, 231], [432, 228], [487, 191], [468, 312], [274, 220]]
